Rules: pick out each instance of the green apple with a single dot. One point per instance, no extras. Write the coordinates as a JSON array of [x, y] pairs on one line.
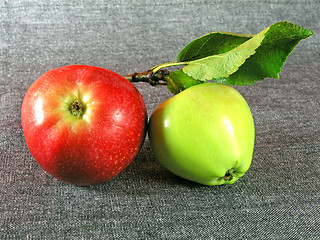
[[204, 134]]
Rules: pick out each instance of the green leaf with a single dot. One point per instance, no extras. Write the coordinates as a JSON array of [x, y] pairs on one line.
[[222, 65], [181, 81], [270, 57], [212, 44], [256, 58]]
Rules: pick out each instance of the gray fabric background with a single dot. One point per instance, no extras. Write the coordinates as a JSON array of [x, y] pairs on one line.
[[279, 196]]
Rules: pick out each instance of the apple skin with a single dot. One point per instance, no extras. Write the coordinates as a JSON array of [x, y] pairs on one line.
[[94, 147], [204, 134]]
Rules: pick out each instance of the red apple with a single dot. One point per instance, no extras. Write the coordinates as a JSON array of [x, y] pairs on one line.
[[83, 124]]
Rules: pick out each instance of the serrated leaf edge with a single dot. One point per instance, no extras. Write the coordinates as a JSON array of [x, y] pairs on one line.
[[188, 47], [203, 66]]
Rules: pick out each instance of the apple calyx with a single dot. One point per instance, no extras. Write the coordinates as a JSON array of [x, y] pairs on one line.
[[77, 108], [229, 175]]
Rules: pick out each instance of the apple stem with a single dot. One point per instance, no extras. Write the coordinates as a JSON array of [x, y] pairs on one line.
[[153, 78], [168, 64], [161, 77], [157, 76]]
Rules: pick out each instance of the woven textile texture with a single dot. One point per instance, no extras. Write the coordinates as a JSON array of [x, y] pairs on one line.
[[278, 198]]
